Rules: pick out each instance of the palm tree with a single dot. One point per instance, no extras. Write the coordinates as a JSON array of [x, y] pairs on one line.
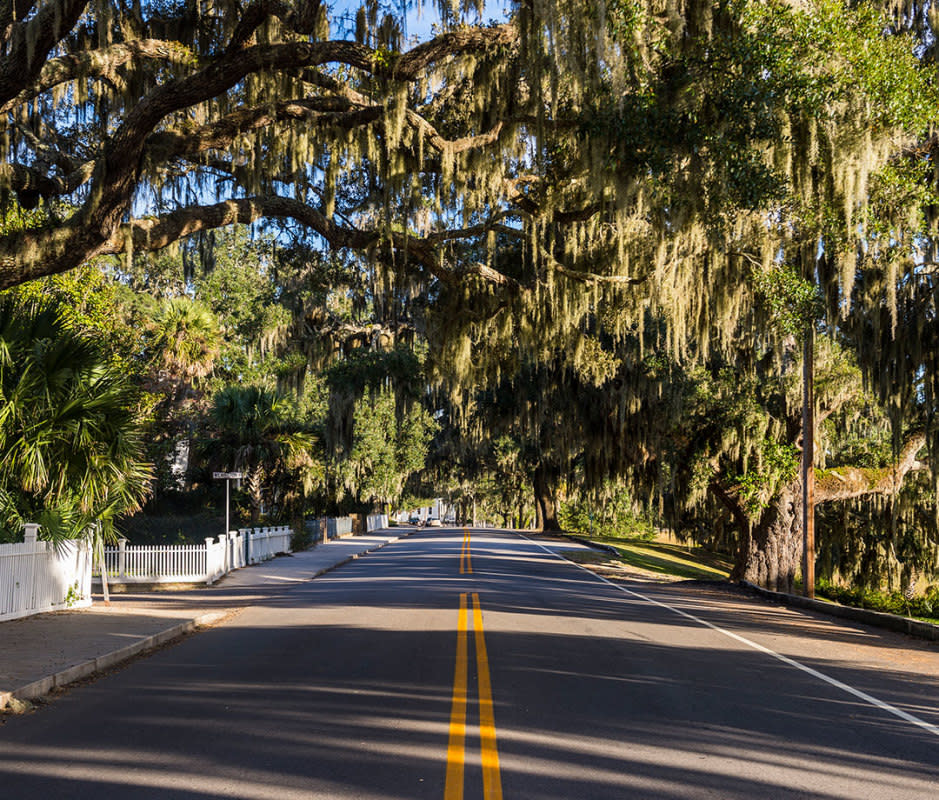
[[71, 450], [255, 437], [185, 342], [187, 336]]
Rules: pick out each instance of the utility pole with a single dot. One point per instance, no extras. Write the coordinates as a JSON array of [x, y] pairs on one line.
[[808, 460]]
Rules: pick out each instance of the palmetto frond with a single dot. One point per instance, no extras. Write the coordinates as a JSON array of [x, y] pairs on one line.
[[70, 446]]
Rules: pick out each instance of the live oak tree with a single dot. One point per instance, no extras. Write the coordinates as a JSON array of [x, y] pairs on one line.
[[646, 159], [735, 436], [255, 108]]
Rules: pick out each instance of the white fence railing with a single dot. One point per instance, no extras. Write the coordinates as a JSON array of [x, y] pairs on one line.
[[266, 543], [375, 521], [36, 576], [194, 563]]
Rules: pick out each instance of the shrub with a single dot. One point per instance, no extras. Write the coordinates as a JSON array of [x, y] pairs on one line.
[[925, 605], [614, 514]]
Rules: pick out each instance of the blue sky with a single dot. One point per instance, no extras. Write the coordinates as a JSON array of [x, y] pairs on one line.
[[422, 15]]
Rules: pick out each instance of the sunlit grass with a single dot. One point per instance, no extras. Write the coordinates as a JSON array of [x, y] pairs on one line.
[[659, 558]]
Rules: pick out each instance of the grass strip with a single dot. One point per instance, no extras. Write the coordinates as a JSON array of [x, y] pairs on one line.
[[659, 558]]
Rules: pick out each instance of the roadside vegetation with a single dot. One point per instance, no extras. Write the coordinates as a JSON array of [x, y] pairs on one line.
[[655, 559], [919, 606], [565, 271]]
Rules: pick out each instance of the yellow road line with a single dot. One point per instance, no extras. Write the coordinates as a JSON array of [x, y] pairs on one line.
[[492, 780], [453, 789], [466, 565]]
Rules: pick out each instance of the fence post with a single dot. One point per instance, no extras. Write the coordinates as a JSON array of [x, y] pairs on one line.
[[246, 536], [233, 545], [209, 566], [121, 558], [30, 532]]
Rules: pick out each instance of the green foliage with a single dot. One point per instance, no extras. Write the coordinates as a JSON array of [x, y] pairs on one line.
[[254, 434], [902, 192], [925, 606], [775, 464], [387, 449], [93, 304], [364, 370], [185, 338], [624, 19], [612, 512], [73, 595], [792, 303], [241, 290], [71, 449]]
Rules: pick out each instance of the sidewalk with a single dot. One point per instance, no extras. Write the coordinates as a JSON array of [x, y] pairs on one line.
[[43, 652]]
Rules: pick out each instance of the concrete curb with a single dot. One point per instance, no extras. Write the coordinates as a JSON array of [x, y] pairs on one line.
[[606, 548], [43, 686], [879, 619], [353, 557], [85, 669]]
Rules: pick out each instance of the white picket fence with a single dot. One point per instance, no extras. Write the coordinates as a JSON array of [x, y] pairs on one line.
[[36, 577], [265, 543], [375, 521], [197, 563]]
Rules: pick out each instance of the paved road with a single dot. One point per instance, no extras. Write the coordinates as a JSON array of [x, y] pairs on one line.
[[479, 665]]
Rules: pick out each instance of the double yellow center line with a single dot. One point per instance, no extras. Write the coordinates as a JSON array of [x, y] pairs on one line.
[[492, 780], [466, 565]]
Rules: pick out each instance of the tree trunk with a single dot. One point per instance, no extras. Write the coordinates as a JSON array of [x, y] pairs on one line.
[[770, 550], [253, 482], [546, 515]]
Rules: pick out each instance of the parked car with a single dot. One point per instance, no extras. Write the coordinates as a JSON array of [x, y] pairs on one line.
[[414, 521], [433, 522]]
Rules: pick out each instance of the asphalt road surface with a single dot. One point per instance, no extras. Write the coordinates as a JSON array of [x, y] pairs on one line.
[[456, 664]]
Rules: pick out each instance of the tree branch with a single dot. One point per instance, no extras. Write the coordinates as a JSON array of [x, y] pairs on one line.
[[156, 233], [219, 135], [592, 277], [101, 63], [27, 181], [732, 504], [30, 42], [417, 61], [453, 146], [846, 483], [31, 253], [302, 19]]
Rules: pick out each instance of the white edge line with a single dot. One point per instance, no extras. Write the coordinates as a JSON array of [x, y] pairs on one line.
[[897, 712]]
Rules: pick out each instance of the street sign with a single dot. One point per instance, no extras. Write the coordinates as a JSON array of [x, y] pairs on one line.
[[228, 477]]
